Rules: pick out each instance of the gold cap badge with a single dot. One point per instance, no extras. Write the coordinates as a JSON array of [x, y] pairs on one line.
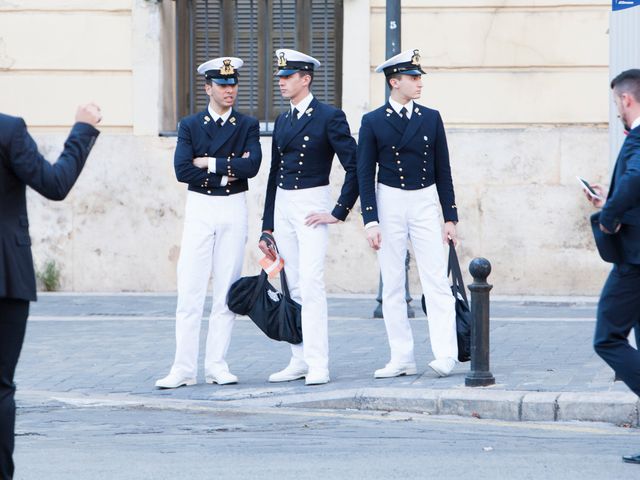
[[415, 59], [226, 69], [282, 62]]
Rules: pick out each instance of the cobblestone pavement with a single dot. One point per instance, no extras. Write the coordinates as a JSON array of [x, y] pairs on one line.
[[102, 344]]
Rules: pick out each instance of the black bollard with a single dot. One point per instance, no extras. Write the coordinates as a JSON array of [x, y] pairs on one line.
[[377, 313], [479, 374]]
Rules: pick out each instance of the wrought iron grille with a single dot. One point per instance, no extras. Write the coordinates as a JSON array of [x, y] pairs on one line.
[[253, 30]]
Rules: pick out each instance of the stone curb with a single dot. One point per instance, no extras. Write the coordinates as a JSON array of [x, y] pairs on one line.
[[609, 407]]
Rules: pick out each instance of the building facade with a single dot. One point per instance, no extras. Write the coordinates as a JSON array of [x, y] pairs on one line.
[[522, 86]]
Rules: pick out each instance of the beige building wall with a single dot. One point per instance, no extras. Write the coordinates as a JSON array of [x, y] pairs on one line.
[[522, 87]]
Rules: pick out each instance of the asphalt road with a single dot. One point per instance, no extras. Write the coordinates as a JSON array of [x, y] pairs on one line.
[[79, 438]]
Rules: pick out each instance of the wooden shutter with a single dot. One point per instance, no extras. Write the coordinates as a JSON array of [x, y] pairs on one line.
[[326, 47], [253, 30], [246, 46], [282, 16], [207, 36]]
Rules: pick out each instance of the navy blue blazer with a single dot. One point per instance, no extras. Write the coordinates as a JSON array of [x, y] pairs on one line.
[[623, 201], [200, 136], [302, 154], [22, 165], [410, 156]]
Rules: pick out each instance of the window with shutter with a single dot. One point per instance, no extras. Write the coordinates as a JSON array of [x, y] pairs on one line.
[[253, 30]]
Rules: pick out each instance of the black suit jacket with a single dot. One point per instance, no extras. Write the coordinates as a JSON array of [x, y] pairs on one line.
[[623, 202], [22, 165], [302, 155]]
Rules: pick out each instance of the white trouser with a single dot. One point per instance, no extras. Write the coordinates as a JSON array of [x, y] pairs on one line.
[[413, 214], [303, 249], [213, 241]]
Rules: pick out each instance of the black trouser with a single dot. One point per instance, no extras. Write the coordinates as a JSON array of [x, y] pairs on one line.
[[13, 322], [618, 313]]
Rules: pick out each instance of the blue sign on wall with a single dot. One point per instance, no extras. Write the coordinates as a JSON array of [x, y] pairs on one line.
[[622, 4]]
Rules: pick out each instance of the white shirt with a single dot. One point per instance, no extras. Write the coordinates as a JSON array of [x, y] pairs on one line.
[[636, 123], [225, 116], [398, 106], [302, 104], [212, 161]]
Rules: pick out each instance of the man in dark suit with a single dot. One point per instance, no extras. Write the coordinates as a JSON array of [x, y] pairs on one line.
[[407, 143], [619, 305], [22, 165], [218, 150], [305, 139]]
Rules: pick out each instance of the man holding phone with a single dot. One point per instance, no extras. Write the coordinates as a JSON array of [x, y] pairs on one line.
[[619, 305]]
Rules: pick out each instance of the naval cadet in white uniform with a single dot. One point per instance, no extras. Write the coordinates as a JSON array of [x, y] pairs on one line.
[[298, 207], [218, 150], [407, 144]]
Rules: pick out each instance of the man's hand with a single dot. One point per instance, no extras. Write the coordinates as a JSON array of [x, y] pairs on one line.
[[600, 190], [201, 162], [374, 237], [245, 155], [89, 113], [314, 219], [449, 232], [264, 248]]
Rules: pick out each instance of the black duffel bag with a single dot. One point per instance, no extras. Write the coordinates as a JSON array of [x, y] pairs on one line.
[[463, 312], [275, 313]]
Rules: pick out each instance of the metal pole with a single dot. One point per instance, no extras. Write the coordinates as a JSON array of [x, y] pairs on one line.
[[377, 313], [393, 29], [479, 374]]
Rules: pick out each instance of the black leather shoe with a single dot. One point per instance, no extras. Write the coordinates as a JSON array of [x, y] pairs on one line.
[[632, 458]]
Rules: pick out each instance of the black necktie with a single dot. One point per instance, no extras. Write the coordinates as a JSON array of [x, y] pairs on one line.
[[403, 115], [219, 122], [294, 116]]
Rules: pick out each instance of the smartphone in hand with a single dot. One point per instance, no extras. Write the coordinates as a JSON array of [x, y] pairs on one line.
[[589, 188]]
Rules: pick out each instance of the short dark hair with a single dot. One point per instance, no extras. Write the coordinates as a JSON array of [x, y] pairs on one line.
[[395, 75], [628, 82], [307, 73]]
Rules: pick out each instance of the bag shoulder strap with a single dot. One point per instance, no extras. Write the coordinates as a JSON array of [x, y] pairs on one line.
[[262, 278], [456, 273]]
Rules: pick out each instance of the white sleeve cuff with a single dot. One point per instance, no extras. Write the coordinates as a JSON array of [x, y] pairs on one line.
[[224, 180], [371, 224], [212, 165]]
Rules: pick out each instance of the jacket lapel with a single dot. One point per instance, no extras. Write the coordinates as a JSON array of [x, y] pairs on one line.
[[412, 127], [207, 123], [217, 134], [394, 119], [290, 131]]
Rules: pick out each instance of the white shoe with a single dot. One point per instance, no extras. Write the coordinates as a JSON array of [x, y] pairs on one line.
[[223, 377], [291, 372], [390, 370], [443, 366], [174, 381], [316, 377]]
